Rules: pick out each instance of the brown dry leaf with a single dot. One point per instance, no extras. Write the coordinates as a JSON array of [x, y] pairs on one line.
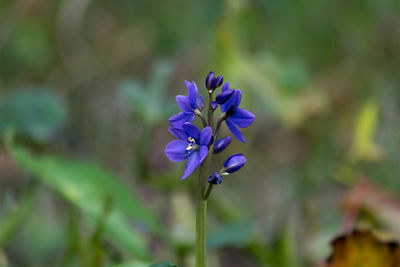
[[363, 249]]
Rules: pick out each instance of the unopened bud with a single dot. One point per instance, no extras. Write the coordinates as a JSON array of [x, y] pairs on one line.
[[221, 144], [233, 163], [215, 178]]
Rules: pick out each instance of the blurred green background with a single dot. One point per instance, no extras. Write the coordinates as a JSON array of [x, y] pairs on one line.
[[86, 88]]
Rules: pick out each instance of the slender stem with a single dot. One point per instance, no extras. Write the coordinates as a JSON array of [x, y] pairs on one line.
[[218, 126], [209, 190], [201, 116], [201, 213], [210, 111]]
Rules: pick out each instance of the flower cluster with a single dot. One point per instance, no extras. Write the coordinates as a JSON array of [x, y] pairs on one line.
[[194, 145]]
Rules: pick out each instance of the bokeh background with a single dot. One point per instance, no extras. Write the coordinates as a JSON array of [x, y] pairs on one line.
[[87, 86]]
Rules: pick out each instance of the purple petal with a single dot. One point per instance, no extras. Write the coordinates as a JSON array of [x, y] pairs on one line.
[[242, 118], [191, 131], [214, 105], [224, 96], [195, 160], [200, 102], [225, 87], [233, 100], [184, 104], [192, 92], [205, 136], [235, 131], [203, 151], [176, 150], [179, 119], [178, 133]]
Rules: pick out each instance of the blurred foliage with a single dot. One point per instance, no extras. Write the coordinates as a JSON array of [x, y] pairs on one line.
[[163, 264], [35, 114], [87, 186], [87, 86]]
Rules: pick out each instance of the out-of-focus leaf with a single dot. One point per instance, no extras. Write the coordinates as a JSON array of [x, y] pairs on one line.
[[235, 235], [287, 244], [132, 264], [34, 114], [362, 248], [87, 185], [148, 101], [11, 222], [364, 147], [287, 95], [163, 264]]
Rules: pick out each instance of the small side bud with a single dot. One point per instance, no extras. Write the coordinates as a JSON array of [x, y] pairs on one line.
[[214, 105], [233, 163], [218, 81], [215, 178], [210, 81], [200, 102], [221, 144]]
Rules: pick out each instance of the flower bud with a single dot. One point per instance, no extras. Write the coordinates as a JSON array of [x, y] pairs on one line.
[[214, 105], [210, 81], [215, 178], [233, 163], [218, 81], [200, 102], [221, 144]]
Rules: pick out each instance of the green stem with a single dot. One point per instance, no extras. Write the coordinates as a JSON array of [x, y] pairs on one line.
[[201, 213], [210, 111], [209, 190]]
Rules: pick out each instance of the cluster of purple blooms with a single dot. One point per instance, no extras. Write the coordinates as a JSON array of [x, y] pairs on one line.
[[193, 144]]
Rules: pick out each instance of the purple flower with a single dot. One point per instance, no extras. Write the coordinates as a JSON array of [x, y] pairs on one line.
[[235, 116], [188, 105], [191, 145], [233, 163]]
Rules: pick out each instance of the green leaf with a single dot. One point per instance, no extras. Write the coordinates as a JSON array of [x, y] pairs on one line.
[[132, 264], [141, 264], [163, 264], [149, 101], [11, 223], [238, 234], [33, 114], [86, 185]]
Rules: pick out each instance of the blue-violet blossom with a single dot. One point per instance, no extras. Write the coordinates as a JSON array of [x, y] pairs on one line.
[[229, 100], [191, 145], [188, 105]]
